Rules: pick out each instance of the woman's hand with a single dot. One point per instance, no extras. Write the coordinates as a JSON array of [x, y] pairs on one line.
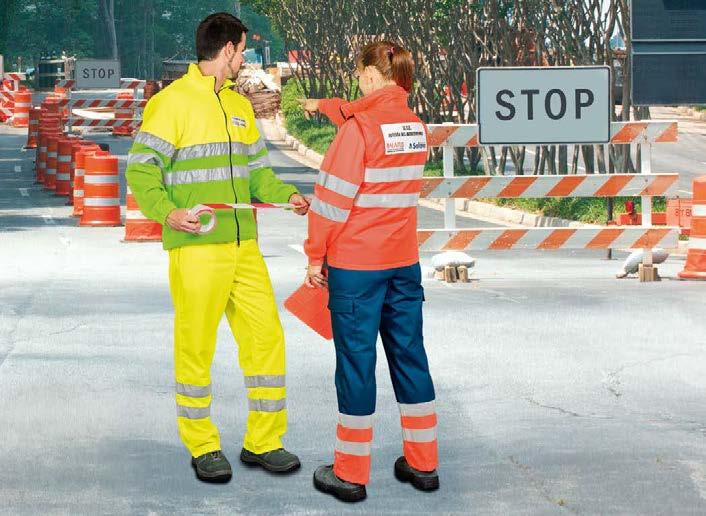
[[315, 277], [309, 106]]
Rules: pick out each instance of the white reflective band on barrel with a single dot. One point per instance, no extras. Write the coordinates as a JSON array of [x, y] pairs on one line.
[[697, 243], [43, 149], [51, 154], [267, 405], [329, 211], [387, 200], [265, 381], [392, 174], [698, 210], [424, 435], [134, 215], [100, 202], [193, 391], [99, 180], [193, 412], [417, 409], [64, 159], [63, 177], [353, 448], [336, 184]]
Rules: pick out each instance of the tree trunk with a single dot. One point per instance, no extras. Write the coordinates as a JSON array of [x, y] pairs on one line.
[[107, 14]]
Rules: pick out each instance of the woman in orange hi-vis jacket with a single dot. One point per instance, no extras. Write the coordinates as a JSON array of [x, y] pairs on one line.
[[363, 225]]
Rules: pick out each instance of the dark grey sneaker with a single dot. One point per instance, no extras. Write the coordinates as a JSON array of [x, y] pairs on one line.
[[326, 481], [276, 461], [422, 480], [212, 467]]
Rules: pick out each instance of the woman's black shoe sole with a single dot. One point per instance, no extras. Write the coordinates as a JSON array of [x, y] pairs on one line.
[[344, 496], [421, 483]]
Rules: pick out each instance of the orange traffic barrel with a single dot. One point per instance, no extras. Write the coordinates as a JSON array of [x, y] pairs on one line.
[[101, 185], [79, 174], [77, 145], [33, 132], [139, 228], [695, 267], [23, 103], [48, 126], [63, 166], [123, 114], [52, 154]]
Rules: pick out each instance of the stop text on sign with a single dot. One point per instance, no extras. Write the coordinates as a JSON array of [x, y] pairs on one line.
[[97, 73], [544, 105]]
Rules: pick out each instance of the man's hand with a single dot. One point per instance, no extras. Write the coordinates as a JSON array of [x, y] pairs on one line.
[[181, 220], [315, 277], [302, 205]]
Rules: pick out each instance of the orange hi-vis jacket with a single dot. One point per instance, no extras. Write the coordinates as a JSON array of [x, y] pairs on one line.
[[364, 212]]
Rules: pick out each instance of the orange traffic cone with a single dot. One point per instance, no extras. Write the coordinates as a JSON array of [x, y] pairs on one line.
[[139, 228], [695, 268]]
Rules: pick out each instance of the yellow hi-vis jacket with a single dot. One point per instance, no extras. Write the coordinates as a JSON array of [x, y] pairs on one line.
[[196, 146]]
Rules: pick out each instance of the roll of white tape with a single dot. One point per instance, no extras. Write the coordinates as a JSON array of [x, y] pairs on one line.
[[200, 210]]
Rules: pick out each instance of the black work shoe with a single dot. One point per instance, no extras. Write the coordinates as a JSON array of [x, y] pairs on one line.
[[212, 467], [422, 480], [275, 461], [326, 481]]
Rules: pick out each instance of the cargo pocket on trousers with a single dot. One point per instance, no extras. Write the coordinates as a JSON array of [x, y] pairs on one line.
[[343, 320]]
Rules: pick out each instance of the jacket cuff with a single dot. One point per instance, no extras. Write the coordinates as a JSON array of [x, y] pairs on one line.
[[163, 210]]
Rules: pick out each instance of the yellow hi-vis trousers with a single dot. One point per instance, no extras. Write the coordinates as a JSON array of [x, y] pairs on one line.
[[207, 281]]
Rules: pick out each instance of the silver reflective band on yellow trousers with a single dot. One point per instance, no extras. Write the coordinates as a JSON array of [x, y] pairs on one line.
[[206, 282]]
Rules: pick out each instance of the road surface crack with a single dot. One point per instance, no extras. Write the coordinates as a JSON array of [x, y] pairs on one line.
[[537, 483]]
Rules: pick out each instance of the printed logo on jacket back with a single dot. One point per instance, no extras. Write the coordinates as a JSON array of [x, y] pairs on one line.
[[404, 138], [238, 122]]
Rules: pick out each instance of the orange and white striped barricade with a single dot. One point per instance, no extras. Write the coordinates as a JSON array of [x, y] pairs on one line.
[[33, 131], [139, 228], [23, 103], [7, 100], [695, 267], [645, 185], [101, 203], [52, 155], [79, 175], [63, 166]]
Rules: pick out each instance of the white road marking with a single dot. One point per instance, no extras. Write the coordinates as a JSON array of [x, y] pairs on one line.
[[48, 219], [18, 168], [23, 192], [298, 248]]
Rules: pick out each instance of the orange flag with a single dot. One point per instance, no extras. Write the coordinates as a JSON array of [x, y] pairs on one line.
[[310, 305]]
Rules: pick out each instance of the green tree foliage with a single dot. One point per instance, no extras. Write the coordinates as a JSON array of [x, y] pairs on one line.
[[148, 31]]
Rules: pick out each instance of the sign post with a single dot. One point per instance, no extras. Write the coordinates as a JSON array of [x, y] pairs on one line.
[[543, 106]]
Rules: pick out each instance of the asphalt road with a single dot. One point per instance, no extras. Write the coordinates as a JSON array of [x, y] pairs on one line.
[[560, 389]]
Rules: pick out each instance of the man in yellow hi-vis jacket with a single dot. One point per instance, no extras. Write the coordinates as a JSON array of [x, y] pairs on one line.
[[199, 144]]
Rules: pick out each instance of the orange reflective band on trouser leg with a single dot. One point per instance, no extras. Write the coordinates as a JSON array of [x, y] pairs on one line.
[[354, 436], [419, 435]]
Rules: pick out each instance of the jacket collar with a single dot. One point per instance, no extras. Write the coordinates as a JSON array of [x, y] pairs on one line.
[[387, 95], [195, 76]]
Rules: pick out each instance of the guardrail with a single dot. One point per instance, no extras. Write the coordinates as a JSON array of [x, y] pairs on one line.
[[645, 185]]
